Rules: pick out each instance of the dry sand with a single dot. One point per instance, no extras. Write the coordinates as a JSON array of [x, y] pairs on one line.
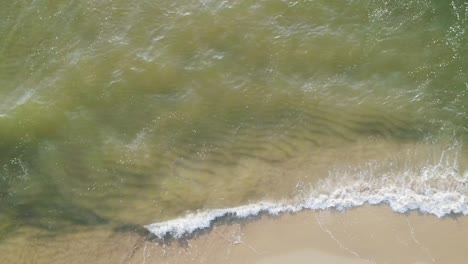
[[363, 235]]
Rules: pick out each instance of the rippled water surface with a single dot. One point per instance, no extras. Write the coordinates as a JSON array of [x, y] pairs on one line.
[[116, 113]]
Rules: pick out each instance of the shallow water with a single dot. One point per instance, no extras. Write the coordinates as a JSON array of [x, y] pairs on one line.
[[132, 112]]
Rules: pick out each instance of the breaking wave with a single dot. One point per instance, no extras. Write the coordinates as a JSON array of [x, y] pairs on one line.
[[436, 186]]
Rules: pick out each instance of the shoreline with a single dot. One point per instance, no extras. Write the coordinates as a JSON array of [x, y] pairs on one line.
[[395, 208], [368, 234]]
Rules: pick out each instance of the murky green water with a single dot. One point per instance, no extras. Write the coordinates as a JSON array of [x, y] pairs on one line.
[[130, 112]]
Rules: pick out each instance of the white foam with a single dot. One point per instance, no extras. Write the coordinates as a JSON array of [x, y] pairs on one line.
[[400, 200], [192, 222], [434, 188]]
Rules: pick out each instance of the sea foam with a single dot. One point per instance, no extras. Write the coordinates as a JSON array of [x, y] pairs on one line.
[[434, 187]]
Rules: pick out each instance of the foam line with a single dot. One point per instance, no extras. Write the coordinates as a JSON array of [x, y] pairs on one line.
[[439, 189], [439, 203]]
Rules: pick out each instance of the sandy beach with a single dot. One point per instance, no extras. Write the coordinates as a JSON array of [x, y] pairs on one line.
[[363, 235], [370, 234]]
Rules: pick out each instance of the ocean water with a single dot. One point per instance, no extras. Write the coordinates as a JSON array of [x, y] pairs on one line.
[[171, 114]]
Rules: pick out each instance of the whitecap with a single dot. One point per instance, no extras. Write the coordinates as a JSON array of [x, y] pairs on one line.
[[438, 188]]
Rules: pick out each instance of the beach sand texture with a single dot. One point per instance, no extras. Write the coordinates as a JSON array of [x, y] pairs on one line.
[[370, 234]]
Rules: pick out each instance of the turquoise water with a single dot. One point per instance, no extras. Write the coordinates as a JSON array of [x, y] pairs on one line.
[[133, 112]]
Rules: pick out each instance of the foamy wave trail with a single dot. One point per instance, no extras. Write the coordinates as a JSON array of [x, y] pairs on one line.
[[437, 188], [187, 225]]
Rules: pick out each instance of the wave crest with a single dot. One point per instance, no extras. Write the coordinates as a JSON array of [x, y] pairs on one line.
[[435, 186]]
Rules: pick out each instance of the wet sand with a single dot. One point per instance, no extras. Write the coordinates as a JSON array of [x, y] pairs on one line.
[[363, 235], [370, 234]]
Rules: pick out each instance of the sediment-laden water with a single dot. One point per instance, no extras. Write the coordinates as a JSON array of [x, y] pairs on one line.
[[128, 113]]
